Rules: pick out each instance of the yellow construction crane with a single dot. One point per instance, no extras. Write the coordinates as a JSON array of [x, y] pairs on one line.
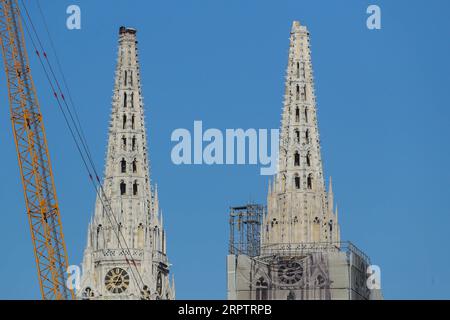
[[34, 159]]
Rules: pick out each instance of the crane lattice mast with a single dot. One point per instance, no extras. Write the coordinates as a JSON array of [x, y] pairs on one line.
[[33, 156]]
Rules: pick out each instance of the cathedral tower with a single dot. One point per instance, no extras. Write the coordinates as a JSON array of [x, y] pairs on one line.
[[299, 208], [125, 255], [300, 256]]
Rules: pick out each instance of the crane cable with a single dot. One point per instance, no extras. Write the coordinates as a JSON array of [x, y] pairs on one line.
[[80, 134]]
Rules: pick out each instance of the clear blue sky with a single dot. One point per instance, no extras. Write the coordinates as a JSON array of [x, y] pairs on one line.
[[384, 118]]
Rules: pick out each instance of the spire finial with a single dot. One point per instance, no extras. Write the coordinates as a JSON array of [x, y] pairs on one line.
[[330, 186]]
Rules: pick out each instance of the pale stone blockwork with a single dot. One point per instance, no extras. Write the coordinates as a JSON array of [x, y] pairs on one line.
[[125, 255], [301, 256]]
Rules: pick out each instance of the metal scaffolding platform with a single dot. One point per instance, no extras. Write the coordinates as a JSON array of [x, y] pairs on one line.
[[245, 229]]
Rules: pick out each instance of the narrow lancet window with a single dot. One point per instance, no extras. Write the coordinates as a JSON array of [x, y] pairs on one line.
[[297, 114], [123, 188], [133, 143], [125, 79], [262, 289], [123, 166], [297, 182], [297, 136], [124, 121], [124, 143], [124, 99], [303, 93], [132, 122], [135, 188], [310, 182], [296, 159], [134, 166]]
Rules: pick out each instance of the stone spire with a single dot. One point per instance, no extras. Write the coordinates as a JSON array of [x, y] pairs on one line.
[[134, 221], [299, 209]]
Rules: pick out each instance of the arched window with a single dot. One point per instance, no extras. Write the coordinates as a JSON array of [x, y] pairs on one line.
[[131, 78], [135, 188], [145, 293], [140, 236], [124, 99], [132, 99], [298, 69], [124, 143], [297, 181], [100, 238], [133, 143], [123, 166], [296, 159], [123, 188], [297, 92], [134, 166], [297, 114], [306, 114], [88, 293], [262, 289], [274, 222], [308, 159], [159, 283], [125, 79], [310, 182], [297, 136], [124, 121], [132, 122], [303, 94], [316, 229], [307, 135], [320, 281]]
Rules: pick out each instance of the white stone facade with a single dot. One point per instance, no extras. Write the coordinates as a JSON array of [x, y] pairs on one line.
[[300, 272], [299, 209], [301, 254], [125, 255]]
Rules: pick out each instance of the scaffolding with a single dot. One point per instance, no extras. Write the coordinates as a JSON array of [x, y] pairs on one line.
[[245, 229], [302, 271], [304, 248]]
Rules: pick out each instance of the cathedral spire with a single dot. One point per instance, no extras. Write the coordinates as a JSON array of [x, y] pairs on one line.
[[330, 195], [298, 207], [133, 234]]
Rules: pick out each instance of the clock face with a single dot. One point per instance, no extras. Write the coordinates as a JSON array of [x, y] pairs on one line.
[[290, 272], [117, 280]]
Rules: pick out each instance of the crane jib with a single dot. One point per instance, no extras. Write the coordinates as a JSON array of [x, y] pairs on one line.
[[33, 157]]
